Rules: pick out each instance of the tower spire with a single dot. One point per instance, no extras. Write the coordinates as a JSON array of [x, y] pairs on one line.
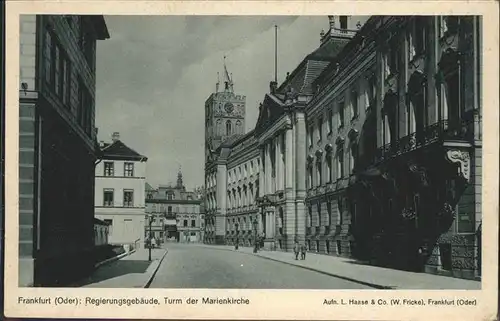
[[228, 82]]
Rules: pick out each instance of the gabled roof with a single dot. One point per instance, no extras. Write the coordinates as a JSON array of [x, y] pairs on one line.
[[270, 110], [119, 151], [149, 187]]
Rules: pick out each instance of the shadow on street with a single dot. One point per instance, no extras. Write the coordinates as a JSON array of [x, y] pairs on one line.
[[116, 269]]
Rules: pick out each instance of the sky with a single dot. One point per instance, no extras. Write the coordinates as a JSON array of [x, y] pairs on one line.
[[155, 73]]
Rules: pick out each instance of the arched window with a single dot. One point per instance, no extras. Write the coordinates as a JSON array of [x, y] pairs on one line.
[[238, 127], [417, 96], [340, 158], [391, 116], [228, 128], [448, 78]]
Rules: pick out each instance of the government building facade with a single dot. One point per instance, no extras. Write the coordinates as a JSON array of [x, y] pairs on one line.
[[370, 149]]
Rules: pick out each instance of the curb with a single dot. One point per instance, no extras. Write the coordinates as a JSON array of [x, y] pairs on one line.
[[112, 259], [372, 285], [151, 278]]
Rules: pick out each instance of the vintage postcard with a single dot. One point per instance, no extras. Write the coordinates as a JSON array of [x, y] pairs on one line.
[[252, 160]]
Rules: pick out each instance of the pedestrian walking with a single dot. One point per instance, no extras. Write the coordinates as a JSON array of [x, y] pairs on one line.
[[303, 252], [153, 242], [296, 250]]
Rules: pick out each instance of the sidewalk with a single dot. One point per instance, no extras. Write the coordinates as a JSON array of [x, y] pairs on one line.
[[132, 271], [376, 277]]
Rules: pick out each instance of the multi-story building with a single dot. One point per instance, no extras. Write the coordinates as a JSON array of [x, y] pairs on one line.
[[174, 212], [254, 185], [57, 146], [120, 179], [373, 152]]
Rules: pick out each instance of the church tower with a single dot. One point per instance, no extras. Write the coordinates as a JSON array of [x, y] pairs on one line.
[[224, 114]]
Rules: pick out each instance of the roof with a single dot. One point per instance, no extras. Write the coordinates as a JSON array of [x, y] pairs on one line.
[[119, 151], [101, 30], [303, 76], [149, 187]]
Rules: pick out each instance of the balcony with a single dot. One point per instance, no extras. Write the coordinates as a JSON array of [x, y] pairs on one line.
[[438, 132]]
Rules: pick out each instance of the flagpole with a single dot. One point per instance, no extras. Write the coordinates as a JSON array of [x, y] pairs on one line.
[[276, 53]]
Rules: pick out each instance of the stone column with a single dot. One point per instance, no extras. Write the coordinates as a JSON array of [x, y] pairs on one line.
[[279, 163], [300, 170], [220, 201], [261, 172], [269, 168]]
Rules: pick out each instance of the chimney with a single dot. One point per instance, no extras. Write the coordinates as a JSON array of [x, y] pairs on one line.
[[273, 85], [287, 75], [101, 143], [115, 136]]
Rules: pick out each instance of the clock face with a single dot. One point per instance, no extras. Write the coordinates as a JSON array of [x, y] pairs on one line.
[[228, 107]]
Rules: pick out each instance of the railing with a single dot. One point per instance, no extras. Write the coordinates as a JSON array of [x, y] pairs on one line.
[[439, 131]]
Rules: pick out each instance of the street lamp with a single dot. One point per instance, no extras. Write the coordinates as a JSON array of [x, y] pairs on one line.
[[150, 217], [237, 236], [255, 223]]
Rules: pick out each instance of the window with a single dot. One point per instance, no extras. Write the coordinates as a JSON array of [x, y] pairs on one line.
[[341, 114], [87, 45], [193, 223], [354, 105], [329, 172], [311, 131], [48, 54], [418, 38], [343, 22], [185, 223], [330, 121], [128, 198], [392, 59], [340, 162], [329, 210], [129, 169], [371, 92], [320, 128], [170, 196], [108, 198], [310, 175], [85, 107], [319, 173], [319, 214], [110, 225], [228, 128], [109, 168], [57, 68], [169, 210]]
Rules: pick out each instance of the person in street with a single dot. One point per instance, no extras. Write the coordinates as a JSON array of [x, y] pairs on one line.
[[153, 242], [303, 252], [296, 250]]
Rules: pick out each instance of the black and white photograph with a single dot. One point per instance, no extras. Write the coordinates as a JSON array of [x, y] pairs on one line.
[[323, 152], [251, 152]]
